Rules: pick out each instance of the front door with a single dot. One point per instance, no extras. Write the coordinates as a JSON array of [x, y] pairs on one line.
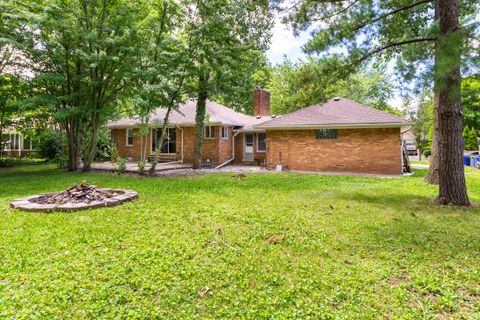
[[248, 147]]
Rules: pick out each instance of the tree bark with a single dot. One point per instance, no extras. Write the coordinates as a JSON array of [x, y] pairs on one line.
[[92, 147], [160, 141], [72, 128], [452, 186], [200, 118]]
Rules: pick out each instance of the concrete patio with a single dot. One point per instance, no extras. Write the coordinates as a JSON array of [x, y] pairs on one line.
[[133, 166]]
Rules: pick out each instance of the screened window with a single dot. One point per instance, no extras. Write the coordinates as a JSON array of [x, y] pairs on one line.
[[14, 141], [261, 145], [129, 137], [209, 132], [224, 133], [27, 144], [326, 134], [169, 143]]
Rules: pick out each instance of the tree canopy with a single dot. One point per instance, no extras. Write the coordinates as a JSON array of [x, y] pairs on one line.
[[298, 85]]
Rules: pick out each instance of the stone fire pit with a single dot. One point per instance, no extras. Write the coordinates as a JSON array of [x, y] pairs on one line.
[[76, 198]]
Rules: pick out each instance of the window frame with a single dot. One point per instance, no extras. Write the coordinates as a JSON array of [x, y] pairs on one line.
[[224, 129], [126, 137], [264, 141], [210, 130], [23, 144], [154, 135], [326, 134], [17, 143]]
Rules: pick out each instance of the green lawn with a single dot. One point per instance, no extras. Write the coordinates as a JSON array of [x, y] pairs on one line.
[[419, 162], [356, 248]]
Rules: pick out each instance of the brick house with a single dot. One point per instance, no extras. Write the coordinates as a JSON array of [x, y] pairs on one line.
[[339, 135]]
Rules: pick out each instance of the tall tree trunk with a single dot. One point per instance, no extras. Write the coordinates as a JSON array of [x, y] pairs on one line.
[[452, 186], [92, 146], [432, 176], [72, 128], [160, 142], [200, 118]]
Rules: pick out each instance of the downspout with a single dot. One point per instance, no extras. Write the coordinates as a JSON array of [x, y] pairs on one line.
[[233, 151]]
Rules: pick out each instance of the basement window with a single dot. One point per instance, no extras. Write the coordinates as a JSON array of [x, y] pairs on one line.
[[322, 134], [129, 139], [209, 132], [224, 132]]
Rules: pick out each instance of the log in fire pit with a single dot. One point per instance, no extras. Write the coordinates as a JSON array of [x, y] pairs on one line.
[[78, 197]]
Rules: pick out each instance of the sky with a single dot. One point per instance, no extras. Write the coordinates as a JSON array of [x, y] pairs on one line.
[[285, 44]]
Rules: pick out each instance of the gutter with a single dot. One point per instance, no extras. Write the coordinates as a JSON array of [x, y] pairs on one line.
[[233, 151], [337, 126]]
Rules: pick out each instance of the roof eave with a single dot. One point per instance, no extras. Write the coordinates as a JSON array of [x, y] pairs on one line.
[[335, 126]]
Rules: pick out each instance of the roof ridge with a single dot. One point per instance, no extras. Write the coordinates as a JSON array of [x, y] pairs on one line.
[[369, 107]]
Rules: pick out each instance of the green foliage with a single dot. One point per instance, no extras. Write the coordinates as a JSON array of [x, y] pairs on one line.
[[354, 248], [298, 85], [121, 165], [422, 116], [471, 101], [7, 162], [51, 144], [114, 153], [470, 139]]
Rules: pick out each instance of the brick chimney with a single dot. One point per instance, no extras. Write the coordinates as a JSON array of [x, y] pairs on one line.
[[261, 102]]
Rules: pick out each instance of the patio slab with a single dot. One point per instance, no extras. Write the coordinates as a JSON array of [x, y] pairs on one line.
[[133, 166]]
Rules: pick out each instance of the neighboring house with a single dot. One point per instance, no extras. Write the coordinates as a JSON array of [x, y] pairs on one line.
[[340, 135], [14, 144]]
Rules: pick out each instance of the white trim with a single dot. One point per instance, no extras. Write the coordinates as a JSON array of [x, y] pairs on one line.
[[261, 151], [126, 137], [221, 132], [245, 145], [333, 126]]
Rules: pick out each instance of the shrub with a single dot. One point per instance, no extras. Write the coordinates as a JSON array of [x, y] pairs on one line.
[[141, 166], [50, 145], [113, 153], [14, 162], [104, 145], [427, 153], [121, 165]]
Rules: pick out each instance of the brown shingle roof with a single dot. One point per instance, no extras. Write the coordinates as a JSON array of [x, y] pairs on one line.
[[335, 112], [216, 113]]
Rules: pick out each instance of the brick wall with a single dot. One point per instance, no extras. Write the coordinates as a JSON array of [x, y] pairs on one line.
[[119, 136], [217, 149], [354, 150]]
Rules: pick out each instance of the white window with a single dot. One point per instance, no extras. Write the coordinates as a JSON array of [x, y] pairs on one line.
[[129, 139], [209, 132], [261, 144], [224, 133], [13, 143]]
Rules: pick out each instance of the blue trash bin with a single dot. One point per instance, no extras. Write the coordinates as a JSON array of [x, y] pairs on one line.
[[476, 161], [466, 161]]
